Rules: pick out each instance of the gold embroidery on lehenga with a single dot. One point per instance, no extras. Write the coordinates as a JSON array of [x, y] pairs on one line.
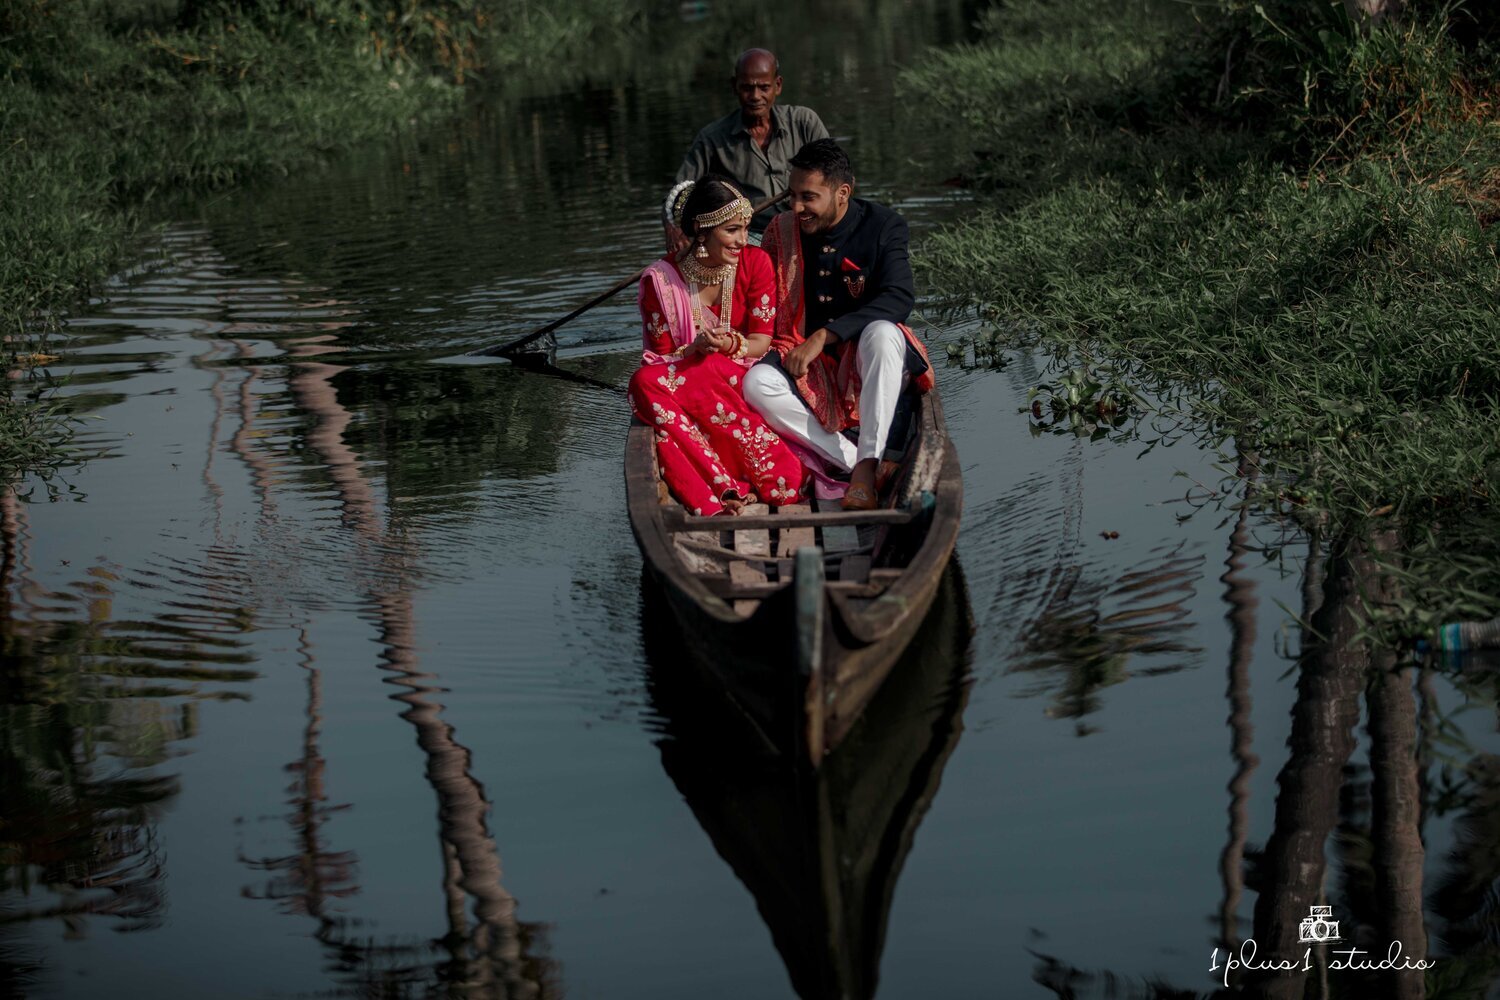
[[756, 447], [657, 327], [671, 379]]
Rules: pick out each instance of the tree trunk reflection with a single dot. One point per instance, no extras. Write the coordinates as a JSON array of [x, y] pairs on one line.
[[489, 958]]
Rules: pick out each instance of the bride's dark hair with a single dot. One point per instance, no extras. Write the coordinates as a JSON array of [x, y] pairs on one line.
[[710, 193]]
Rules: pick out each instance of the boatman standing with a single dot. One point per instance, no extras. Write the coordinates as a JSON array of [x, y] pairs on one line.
[[753, 145], [841, 354]]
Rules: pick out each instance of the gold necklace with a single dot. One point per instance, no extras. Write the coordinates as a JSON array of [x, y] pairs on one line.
[[726, 292], [698, 274]]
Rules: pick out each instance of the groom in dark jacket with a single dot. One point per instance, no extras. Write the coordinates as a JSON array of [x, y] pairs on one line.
[[841, 351]]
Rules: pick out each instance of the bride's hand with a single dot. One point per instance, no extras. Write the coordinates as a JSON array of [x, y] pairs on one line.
[[711, 341]]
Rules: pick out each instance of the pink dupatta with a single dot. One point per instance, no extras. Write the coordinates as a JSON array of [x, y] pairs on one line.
[[673, 294], [677, 305]]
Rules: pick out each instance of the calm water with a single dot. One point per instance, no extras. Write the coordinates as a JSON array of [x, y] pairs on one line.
[[333, 674]]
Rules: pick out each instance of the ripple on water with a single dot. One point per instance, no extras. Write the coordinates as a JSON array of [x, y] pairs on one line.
[[1025, 535]]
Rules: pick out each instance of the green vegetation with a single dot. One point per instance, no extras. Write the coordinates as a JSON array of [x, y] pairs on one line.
[[1285, 211], [105, 106]]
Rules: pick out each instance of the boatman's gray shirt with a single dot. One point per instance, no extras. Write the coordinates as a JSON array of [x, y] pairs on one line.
[[725, 147]]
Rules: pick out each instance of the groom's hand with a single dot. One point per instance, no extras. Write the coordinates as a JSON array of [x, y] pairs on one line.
[[800, 358]]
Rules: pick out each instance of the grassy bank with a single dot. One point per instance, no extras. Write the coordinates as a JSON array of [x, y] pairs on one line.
[[1289, 213], [107, 104]]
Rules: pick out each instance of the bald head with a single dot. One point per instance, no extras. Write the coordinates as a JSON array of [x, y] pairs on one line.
[[757, 61], [757, 84]]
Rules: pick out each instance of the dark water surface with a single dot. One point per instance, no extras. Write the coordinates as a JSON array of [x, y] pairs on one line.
[[333, 675]]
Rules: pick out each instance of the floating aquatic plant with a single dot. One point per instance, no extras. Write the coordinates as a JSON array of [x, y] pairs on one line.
[[1081, 402]]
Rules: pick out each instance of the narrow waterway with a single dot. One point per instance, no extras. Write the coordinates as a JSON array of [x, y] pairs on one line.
[[332, 673]]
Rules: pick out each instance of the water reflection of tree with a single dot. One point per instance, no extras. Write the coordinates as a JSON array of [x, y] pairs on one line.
[[90, 706], [1373, 815], [1085, 636], [439, 430], [305, 881], [1466, 898], [1369, 817], [494, 954], [1239, 594], [1290, 874]]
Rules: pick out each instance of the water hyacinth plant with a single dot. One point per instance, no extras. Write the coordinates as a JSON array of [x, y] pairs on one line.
[[1078, 402], [1287, 213]]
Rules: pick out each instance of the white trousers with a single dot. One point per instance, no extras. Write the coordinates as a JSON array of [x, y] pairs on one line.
[[881, 359]]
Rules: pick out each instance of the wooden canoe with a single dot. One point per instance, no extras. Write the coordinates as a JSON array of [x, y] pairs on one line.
[[796, 614]]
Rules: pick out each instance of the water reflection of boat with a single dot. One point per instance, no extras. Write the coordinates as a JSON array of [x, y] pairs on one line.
[[821, 850], [785, 588]]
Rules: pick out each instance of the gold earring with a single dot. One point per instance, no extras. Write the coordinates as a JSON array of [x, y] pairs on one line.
[[701, 251]]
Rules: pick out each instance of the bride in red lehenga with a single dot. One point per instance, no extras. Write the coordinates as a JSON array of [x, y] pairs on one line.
[[707, 316]]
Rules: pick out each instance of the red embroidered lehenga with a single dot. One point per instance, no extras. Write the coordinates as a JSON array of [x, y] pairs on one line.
[[709, 443]]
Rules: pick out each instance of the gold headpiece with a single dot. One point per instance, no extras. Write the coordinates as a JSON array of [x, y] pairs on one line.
[[738, 209], [677, 199]]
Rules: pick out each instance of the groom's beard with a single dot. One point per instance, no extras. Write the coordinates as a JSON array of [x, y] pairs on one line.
[[819, 223]]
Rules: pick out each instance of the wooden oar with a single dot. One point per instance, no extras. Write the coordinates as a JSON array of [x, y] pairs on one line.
[[539, 363], [504, 350]]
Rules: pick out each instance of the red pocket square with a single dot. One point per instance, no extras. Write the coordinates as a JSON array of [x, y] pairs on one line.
[[849, 265]]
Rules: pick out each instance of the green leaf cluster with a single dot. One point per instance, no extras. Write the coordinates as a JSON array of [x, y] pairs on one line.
[[1288, 215]]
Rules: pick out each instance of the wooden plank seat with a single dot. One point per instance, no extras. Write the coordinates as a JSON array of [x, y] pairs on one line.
[[790, 539], [675, 520], [722, 586], [841, 535], [712, 549], [749, 541]]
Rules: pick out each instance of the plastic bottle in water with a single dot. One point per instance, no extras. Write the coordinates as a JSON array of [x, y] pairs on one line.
[[1468, 635]]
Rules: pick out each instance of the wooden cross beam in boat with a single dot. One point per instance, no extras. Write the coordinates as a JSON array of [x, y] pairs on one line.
[[676, 520]]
